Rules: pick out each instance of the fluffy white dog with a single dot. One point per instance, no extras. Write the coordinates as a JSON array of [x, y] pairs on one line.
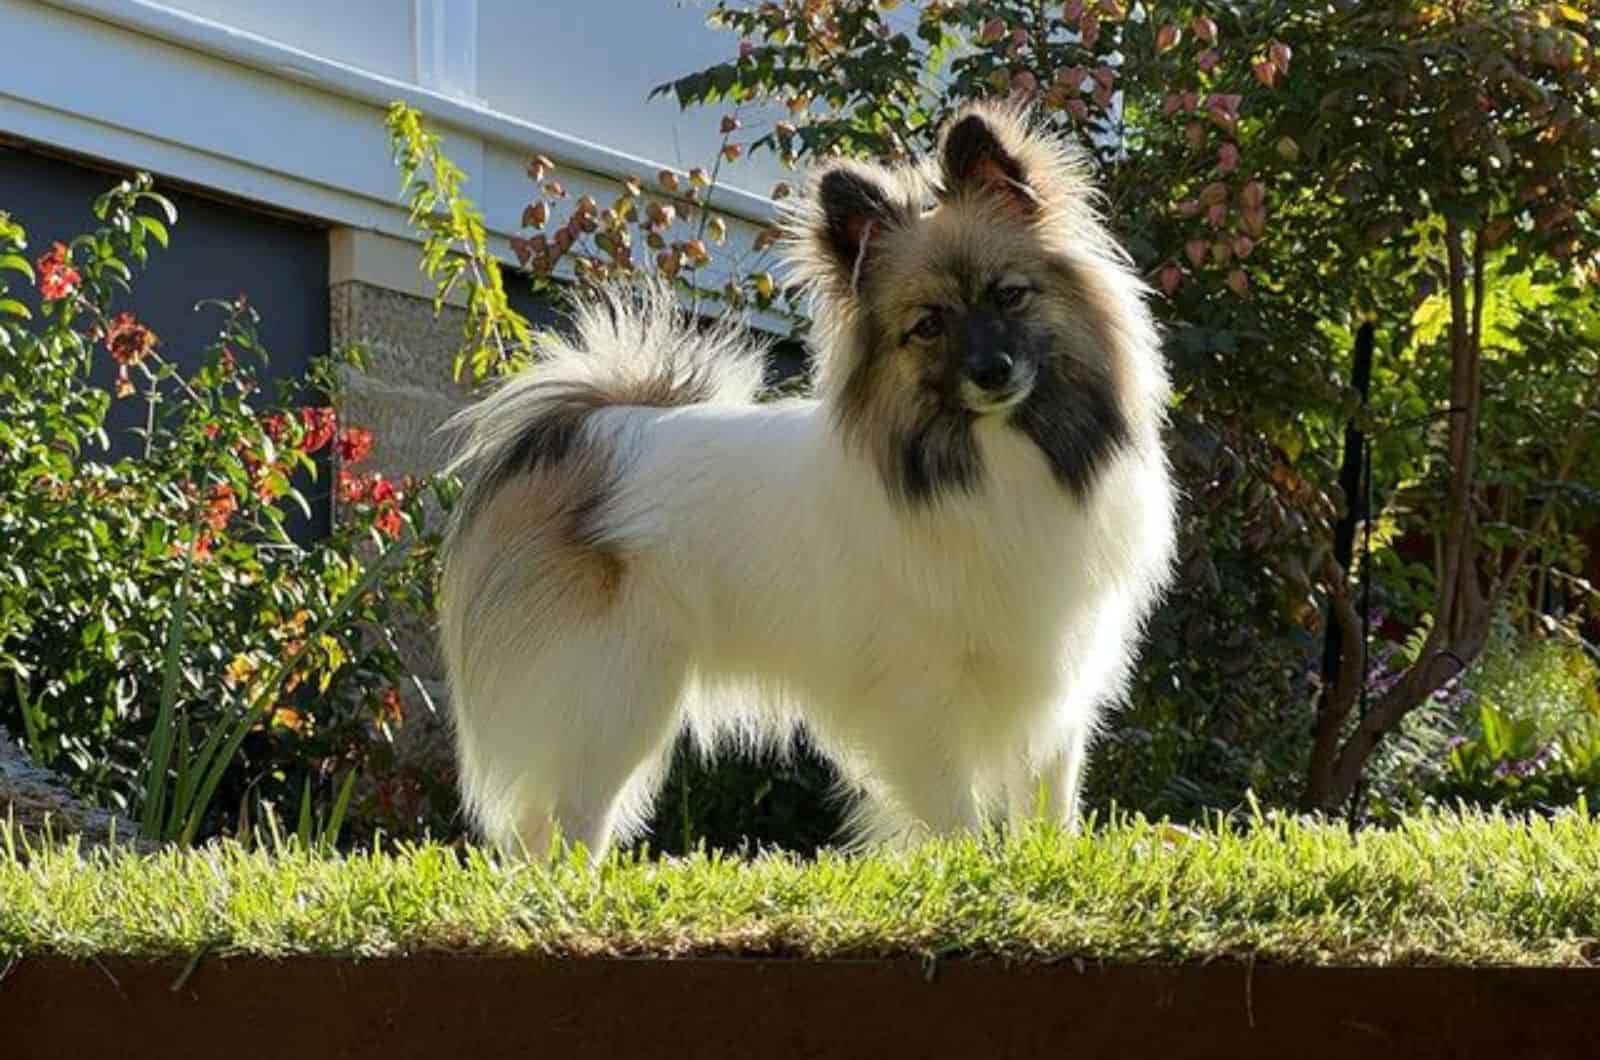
[[940, 565]]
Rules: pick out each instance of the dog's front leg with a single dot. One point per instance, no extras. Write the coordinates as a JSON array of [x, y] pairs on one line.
[[922, 785], [1051, 790]]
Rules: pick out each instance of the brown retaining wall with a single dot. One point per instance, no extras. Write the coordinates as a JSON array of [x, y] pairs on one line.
[[481, 1008]]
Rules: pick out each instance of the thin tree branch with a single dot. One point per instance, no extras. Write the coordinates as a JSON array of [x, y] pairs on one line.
[[1458, 500], [1340, 697]]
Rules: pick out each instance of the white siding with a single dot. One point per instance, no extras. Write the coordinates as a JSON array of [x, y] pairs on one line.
[[371, 35], [586, 68]]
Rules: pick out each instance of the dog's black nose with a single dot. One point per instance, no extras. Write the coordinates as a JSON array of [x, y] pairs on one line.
[[991, 371]]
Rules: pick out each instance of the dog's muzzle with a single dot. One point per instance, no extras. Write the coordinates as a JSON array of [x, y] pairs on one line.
[[995, 381]]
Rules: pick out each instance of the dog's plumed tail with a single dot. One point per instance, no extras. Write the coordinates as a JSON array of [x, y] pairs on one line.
[[626, 345], [535, 568]]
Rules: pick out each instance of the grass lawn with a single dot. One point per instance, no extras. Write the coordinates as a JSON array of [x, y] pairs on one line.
[[1444, 889]]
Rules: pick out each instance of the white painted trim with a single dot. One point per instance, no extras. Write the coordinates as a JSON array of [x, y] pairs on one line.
[[329, 76], [128, 150], [446, 36]]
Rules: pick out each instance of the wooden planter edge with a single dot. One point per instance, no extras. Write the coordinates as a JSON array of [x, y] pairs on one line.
[[486, 1007]]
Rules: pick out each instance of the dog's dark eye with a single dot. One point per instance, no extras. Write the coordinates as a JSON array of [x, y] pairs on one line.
[[1010, 297], [930, 326]]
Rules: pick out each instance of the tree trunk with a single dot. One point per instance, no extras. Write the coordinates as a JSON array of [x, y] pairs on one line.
[[1462, 615], [1338, 695], [1341, 651]]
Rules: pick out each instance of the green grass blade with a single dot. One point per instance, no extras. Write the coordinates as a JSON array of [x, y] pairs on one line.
[[202, 760], [183, 793], [341, 805], [229, 737], [184, 776], [303, 826], [155, 781]]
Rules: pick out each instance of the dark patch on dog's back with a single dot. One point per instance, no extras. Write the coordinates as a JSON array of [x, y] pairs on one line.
[[551, 435], [548, 439]]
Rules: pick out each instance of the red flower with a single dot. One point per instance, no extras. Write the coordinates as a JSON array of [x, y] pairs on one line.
[[201, 546], [57, 277], [320, 425], [392, 711], [387, 521], [128, 340], [274, 425], [212, 429], [221, 505], [354, 444], [381, 490], [352, 489]]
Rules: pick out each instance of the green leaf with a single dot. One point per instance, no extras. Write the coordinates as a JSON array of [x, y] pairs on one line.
[[341, 805], [303, 827], [155, 787], [185, 777], [166, 207], [12, 307], [154, 227], [18, 263]]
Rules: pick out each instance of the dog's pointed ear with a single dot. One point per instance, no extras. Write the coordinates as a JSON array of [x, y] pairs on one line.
[[856, 206], [975, 159]]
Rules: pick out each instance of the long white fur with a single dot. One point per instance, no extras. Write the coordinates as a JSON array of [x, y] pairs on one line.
[[952, 659]]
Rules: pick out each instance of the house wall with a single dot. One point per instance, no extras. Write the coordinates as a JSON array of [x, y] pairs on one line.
[[580, 68], [292, 115], [375, 35]]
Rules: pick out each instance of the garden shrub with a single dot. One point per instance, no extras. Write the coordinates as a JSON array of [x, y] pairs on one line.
[[1520, 730], [97, 548]]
